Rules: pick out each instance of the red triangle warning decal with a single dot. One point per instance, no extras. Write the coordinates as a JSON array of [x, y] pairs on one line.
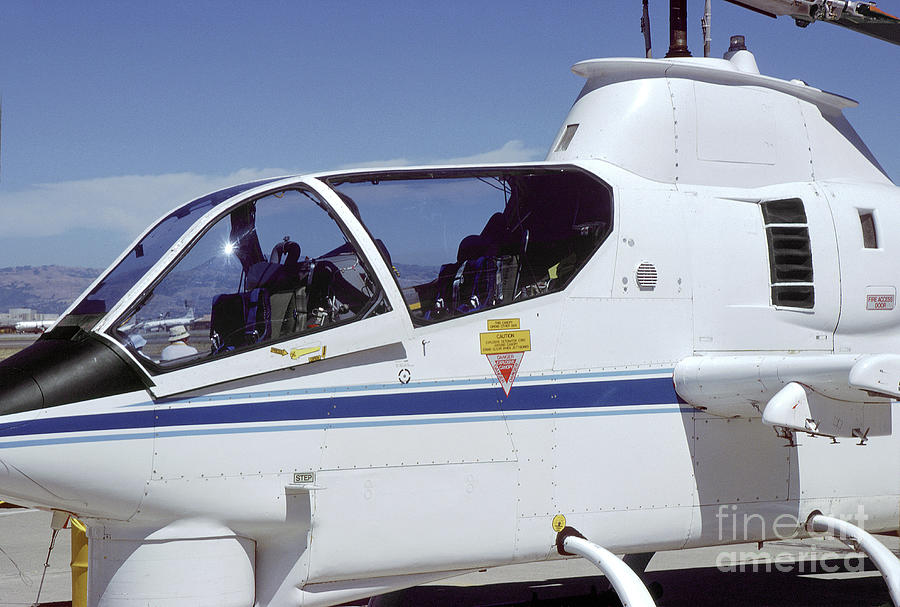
[[505, 367]]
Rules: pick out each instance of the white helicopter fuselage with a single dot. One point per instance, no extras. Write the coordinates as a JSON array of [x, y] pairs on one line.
[[385, 454]]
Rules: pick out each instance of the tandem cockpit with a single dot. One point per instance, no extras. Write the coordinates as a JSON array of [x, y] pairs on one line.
[[271, 261]]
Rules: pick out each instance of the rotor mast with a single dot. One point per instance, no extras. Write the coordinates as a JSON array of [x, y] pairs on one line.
[[678, 29]]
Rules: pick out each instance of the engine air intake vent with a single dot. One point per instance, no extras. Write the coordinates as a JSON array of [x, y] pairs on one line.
[[790, 253], [646, 276], [784, 211]]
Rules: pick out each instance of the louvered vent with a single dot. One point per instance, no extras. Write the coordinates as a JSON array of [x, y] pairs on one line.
[[790, 253], [646, 276]]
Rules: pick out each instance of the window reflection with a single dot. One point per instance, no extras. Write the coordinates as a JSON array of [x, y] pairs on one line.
[[272, 269], [144, 255], [466, 241]]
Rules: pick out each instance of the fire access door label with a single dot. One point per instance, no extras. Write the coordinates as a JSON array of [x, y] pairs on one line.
[[880, 298]]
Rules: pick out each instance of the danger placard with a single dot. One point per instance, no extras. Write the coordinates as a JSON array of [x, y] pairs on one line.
[[505, 367]]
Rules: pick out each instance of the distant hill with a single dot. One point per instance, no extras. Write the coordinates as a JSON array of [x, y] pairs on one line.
[[410, 275], [50, 289], [46, 289]]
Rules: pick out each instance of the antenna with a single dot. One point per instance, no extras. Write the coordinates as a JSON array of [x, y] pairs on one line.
[[645, 28], [678, 29], [706, 24]]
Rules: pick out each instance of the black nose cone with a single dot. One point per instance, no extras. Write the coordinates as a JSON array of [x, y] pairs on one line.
[[64, 366], [18, 390]]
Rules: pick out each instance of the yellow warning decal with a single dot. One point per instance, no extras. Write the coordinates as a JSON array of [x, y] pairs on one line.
[[298, 352], [279, 351], [505, 342], [313, 359], [552, 272], [503, 324], [559, 523]]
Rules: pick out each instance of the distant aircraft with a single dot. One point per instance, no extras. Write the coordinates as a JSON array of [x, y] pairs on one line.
[[165, 322], [34, 326], [679, 330]]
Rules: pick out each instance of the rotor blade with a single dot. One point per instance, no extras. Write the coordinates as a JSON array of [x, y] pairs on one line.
[[862, 17], [877, 24], [750, 5], [889, 32]]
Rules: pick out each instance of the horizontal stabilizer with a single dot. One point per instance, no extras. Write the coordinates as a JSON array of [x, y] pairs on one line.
[[877, 374], [740, 386], [797, 408]]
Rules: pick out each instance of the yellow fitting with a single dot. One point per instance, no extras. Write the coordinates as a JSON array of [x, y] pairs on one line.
[[79, 563]]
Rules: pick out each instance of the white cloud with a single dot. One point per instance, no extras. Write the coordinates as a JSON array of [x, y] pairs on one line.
[[126, 204], [511, 151], [377, 164]]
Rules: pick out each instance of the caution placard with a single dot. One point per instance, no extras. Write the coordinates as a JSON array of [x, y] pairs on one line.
[[505, 342]]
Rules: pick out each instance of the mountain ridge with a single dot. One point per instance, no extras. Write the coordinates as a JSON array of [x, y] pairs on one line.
[[47, 289]]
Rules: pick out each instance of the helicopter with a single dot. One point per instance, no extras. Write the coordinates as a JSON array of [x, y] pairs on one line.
[[625, 348]]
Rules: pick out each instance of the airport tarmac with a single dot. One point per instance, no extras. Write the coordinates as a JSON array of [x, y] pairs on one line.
[[10, 343], [813, 572], [24, 540]]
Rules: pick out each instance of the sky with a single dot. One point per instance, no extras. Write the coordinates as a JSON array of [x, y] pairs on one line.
[[115, 112]]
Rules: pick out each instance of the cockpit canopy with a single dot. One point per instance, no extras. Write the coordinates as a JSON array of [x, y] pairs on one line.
[[228, 293], [144, 256], [280, 264]]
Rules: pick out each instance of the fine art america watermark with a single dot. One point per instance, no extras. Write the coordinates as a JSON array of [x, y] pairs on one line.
[[734, 526]]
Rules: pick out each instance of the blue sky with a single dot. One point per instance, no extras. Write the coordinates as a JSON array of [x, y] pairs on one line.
[[114, 112]]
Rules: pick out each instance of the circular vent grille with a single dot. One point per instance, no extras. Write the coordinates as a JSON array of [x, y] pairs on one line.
[[646, 276]]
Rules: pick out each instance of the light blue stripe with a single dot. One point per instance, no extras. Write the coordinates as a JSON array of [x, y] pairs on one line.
[[97, 438]]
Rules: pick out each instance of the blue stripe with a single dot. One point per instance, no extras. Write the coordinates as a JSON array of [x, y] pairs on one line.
[[558, 396], [214, 431], [435, 383]]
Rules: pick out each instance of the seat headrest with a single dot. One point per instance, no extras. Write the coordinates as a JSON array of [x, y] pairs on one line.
[[471, 247]]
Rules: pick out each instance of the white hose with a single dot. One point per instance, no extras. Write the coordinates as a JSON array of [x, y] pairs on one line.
[[627, 584], [884, 559]]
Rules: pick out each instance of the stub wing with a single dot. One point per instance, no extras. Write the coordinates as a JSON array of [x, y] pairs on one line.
[[830, 395], [863, 17]]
